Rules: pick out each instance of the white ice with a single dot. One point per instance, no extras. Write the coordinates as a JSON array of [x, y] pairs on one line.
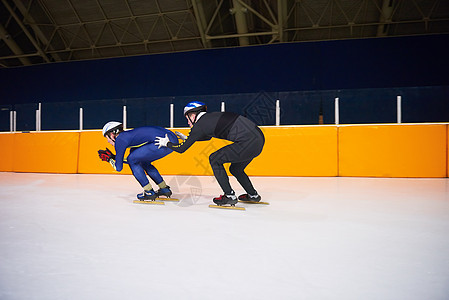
[[81, 237]]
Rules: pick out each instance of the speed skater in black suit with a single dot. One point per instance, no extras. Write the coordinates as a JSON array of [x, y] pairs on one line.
[[248, 141]]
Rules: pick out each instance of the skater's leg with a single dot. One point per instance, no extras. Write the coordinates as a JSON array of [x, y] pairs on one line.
[[238, 170], [139, 161], [138, 171], [237, 153], [152, 172], [164, 189], [217, 159], [249, 141], [144, 156]]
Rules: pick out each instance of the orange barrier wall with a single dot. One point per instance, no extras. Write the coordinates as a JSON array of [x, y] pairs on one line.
[[89, 162], [6, 152], [312, 152], [358, 150], [297, 151], [46, 152], [393, 151]]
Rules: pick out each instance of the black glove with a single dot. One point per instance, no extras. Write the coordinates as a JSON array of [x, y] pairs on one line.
[[106, 155]]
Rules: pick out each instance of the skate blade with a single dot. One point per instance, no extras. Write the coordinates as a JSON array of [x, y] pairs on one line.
[[149, 202], [254, 202], [166, 199], [227, 207]]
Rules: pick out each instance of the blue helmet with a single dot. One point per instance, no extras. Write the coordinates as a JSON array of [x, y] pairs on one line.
[[195, 106]]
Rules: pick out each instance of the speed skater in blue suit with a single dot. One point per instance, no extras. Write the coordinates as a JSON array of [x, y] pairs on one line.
[[143, 152]]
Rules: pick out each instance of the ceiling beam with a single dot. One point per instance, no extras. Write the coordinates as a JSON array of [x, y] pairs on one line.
[[385, 17], [123, 45], [30, 20], [55, 30], [201, 22], [239, 13], [214, 16], [9, 41], [282, 17], [239, 35], [25, 30], [255, 12]]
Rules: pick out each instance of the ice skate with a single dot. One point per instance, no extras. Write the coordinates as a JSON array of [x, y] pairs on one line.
[[164, 192], [252, 199], [147, 195], [226, 199], [223, 200]]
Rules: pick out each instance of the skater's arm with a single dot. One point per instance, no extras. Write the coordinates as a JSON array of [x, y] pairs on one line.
[[181, 135], [120, 148], [194, 135]]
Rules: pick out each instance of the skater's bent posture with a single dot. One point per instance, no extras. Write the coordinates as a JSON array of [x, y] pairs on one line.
[[248, 143], [143, 152]]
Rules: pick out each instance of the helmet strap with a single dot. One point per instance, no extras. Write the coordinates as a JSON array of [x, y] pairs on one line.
[[194, 120], [110, 136]]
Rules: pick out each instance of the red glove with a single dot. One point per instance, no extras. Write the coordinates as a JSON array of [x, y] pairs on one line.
[[106, 155]]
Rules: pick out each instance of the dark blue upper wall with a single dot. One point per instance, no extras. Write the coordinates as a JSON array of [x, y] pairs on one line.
[[369, 63]]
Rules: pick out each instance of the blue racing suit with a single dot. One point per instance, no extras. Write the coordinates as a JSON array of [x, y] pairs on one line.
[[142, 152]]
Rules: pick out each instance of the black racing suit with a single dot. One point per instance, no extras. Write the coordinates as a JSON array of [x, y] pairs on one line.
[[248, 143]]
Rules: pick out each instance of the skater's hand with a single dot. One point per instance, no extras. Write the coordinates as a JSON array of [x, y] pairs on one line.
[[106, 155], [161, 141], [181, 136]]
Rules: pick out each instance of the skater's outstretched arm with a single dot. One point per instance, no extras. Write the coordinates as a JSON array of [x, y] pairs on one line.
[[181, 135], [196, 134]]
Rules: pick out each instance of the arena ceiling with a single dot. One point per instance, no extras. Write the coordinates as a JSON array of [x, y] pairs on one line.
[[46, 31]]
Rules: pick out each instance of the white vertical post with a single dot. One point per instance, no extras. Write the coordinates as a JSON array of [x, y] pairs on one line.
[[37, 120], [81, 118], [399, 105], [337, 112], [278, 113], [14, 121], [124, 117], [38, 117], [222, 106], [11, 120], [172, 115]]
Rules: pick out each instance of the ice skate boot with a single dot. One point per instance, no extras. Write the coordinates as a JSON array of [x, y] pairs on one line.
[[147, 195], [226, 199], [250, 198], [164, 192]]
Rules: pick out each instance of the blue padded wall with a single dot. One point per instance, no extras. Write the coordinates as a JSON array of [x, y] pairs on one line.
[[365, 74], [348, 64]]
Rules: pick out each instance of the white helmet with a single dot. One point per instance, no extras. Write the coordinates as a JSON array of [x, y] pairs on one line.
[[112, 126], [195, 106]]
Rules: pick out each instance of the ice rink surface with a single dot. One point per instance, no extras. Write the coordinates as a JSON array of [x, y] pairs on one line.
[[81, 237]]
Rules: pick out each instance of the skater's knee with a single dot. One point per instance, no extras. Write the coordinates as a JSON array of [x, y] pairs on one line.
[[131, 160], [214, 159], [236, 170], [233, 169]]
